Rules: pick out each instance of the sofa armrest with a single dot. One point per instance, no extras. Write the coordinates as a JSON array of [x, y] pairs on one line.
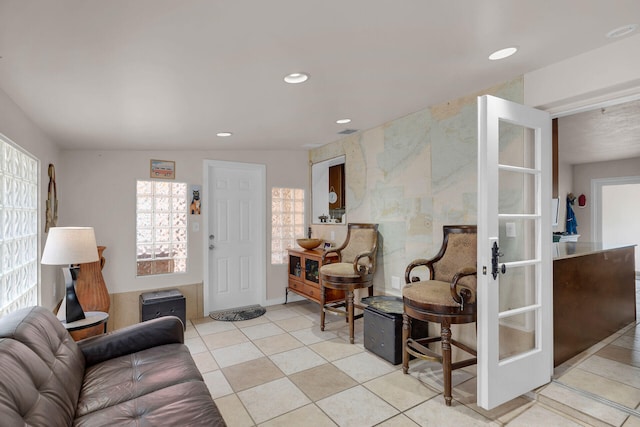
[[134, 338]]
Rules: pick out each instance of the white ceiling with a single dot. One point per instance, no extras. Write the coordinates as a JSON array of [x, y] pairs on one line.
[[169, 74], [601, 134]]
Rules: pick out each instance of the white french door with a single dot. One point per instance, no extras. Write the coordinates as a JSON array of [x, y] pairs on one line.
[[234, 232], [515, 277]]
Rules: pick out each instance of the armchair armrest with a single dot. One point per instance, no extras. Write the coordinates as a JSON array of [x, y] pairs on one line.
[[362, 268], [464, 294], [134, 338], [330, 251], [420, 262]]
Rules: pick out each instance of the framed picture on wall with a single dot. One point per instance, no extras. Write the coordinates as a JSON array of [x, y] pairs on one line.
[[164, 169]]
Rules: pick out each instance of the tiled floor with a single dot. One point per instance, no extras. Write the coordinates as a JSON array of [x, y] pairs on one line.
[[281, 370]]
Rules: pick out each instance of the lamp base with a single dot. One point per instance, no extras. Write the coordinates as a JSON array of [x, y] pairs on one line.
[[70, 310]]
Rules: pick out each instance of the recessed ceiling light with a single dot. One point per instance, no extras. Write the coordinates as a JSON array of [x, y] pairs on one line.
[[503, 53], [343, 121], [295, 78], [622, 31], [224, 134]]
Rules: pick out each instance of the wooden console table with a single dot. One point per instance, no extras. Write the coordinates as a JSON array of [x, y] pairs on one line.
[[593, 295], [304, 278]]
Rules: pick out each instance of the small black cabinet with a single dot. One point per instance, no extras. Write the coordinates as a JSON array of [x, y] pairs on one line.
[[163, 303], [383, 327]]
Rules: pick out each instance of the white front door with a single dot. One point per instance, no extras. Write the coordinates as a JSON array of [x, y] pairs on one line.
[[515, 277], [234, 234]]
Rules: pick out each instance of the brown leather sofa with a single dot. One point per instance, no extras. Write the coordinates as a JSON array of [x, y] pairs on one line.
[[142, 375]]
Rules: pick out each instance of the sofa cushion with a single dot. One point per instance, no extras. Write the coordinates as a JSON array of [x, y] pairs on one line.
[[38, 329], [183, 404], [127, 377]]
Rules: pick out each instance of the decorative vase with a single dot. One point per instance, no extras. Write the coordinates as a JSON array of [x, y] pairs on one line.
[[92, 293]]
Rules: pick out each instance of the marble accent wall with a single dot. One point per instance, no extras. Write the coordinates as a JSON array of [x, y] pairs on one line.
[[412, 176]]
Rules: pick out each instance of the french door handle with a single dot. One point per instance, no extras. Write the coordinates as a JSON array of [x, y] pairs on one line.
[[495, 254]]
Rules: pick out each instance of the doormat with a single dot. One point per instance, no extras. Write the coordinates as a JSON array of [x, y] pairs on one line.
[[238, 314]]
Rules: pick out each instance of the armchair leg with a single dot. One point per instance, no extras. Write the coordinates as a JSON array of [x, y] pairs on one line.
[[445, 333], [322, 302], [350, 314], [406, 331]]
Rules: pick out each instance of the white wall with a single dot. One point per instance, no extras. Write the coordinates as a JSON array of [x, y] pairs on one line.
[[608, 72], [620, 225], [582, 176], [97, 189], [16, 126]]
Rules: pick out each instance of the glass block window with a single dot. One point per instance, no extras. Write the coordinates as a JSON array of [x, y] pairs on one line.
[[19, 282], [161, 227], [287, 221]]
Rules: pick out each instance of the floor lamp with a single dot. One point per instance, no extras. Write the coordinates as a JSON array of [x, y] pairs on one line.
[[70, 246]]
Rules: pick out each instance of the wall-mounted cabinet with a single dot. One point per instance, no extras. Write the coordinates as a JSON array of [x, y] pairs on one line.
[[304, 277]]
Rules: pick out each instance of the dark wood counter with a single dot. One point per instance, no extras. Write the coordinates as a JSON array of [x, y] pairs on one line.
[[593, 295]]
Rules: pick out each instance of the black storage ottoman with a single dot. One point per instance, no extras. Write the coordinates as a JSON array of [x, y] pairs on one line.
[[383, 327], [169, 302]]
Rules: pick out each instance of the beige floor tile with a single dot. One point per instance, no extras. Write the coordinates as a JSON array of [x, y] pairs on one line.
[[233, 411], [307, 416], [466, 393], [613, 370], [284, 313], [632, 422], [202, 320], [234, 354], [538, 415], [364, 366], [213, 327], [356, 406], [196, 345], [335, 349], [261, 401], [322, 381], [400, 390], [217, 384], [262, 331], [398, 421], [306, 307], [579, 406], [224, 339], [611, 390], [190, 332], [313, 335], [630, 342], [434, 412], [251, 322], [277, 344], [297, 360], [252, 373], [430, 373], [265, 396], [294, 323], [621, 354], [205, 362]]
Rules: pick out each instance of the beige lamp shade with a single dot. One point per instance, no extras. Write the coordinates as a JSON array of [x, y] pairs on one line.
[[70, 245]]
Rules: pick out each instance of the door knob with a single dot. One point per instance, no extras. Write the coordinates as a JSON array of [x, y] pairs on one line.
[[211, 247], [495, 254], [211, 237]]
